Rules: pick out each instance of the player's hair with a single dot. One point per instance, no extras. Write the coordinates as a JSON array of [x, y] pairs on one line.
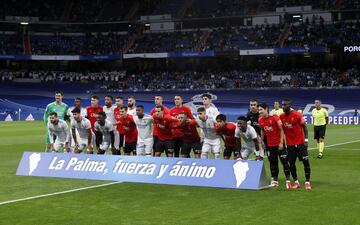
[[76, 110], [253, 100], [119, 97], [318, 99], [243, 118], [103, 114], [201, 109], [221, 117], [132, 97], [206, 95], [53, 114], [179, 96], [159, 96], [140, 106], [59, 92], [109, 96], [277, 101], [124, 107], [95, 97], [287, 100], [79, 99], [264, 106], [160, 107]]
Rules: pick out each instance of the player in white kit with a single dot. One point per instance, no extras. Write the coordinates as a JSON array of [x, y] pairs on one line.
[[248, 134], [109, 110], [83, 112], [107, 132], [212, 141], [61, 130], [81, 132], [145, 139], [131, 106], [210, 108]]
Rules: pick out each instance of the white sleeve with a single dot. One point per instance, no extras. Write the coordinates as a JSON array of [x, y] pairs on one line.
[[237, 132], [67, 132], [110, 127], [87, 124], [51, 133], [253, 133], [72, 123]]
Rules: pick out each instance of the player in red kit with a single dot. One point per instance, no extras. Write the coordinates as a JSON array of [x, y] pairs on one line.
[[119, 141], [126, 121], [175, 111], [92, 112], [191, 138], [164, 124], [272, 132], [227, 133], [296, 135], [158, 102]]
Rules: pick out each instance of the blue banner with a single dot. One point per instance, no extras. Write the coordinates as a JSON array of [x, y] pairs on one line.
[[176, 171], [300, 50], [18, 57], [191, 54]]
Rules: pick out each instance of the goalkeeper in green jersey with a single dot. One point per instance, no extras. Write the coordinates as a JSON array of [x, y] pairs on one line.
[[60, 108]]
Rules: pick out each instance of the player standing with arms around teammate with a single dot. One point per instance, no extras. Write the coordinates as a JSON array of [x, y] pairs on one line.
[[253, 118], [92, 113], [127, 123], [158, 102], [191, 138], [271, 128], [227, 132], [210, 108], [321, 119], [212, 142], [119, 133], [131, 106], [145, 141], [177, 132], [59, 128], [296, 135], [60, 108], [84, 139]]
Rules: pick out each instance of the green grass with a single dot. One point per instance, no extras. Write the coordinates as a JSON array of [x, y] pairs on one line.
[[333, 200]]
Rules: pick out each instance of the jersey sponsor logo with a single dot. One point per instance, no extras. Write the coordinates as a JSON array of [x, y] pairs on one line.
[[268, 128], [288, 125]]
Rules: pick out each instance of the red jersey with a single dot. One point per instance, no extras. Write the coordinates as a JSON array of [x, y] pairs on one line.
[[190, 132], [271, 126], [164, 127], [152, 112], [117, 118], [175, 111], [92, 114], [229, 132], [129, 127], [292, 125]]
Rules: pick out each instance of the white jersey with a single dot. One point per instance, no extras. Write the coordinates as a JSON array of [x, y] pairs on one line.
[[208, 127], [143, 126], [105, 130], [82, 127], [83, 112], [248, 136], [61, 130], [132, 111], [109, 111], [212, 111]]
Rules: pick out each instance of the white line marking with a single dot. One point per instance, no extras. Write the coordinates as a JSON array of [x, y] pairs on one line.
[[58, 193], [333, 145]]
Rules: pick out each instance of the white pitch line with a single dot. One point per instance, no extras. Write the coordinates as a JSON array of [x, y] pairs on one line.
[[333, 145], [58, 193]]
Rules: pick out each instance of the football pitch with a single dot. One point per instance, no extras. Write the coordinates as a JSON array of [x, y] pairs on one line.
[[334, 199]]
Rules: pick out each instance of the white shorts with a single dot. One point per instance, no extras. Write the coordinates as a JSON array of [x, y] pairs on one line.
[[116, 138], [59, 144], [245, 152], [144, 146], [105, 144], [211, 145]]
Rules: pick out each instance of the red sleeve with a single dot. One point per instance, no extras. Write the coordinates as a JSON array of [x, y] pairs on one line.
[[152, 111], [189, 113], [278, 121], [192, 122], [300, 118]]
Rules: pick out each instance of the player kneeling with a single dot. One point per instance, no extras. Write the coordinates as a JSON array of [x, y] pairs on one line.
[[249, 135], [106, 130], [84, 139], [191, 138], [60, 129]]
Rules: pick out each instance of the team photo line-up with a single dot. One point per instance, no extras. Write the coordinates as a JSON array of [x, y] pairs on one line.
[[281, 132]]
